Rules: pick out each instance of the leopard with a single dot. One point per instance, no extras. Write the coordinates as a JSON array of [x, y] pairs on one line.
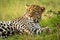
[[27, 24]]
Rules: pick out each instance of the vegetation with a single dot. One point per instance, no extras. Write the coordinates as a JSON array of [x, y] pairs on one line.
[[10, 9]]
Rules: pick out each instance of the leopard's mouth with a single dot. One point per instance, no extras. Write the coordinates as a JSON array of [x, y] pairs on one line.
[[36, 21]]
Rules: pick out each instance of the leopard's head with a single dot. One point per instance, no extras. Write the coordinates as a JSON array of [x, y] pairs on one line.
[[34, 12]]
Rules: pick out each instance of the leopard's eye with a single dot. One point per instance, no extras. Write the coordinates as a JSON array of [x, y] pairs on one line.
[[30, 15], [36, 13]]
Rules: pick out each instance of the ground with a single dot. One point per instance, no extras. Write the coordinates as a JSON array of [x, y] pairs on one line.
[[10, 9]]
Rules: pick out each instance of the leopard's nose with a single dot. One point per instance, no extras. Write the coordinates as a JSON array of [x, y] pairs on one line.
[[42, 8]]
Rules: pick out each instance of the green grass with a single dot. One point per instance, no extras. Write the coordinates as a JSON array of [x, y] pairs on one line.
[[10, 9]]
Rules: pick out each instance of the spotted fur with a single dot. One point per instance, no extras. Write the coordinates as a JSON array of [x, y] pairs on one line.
[[28, 24]]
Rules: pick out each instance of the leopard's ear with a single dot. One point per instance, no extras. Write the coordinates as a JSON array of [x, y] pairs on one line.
[[27, 5]]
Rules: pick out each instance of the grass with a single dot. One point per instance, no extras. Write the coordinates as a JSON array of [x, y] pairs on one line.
[[10, 9]]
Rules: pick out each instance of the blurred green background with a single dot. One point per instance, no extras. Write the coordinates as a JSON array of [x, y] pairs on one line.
[[10, 9]]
